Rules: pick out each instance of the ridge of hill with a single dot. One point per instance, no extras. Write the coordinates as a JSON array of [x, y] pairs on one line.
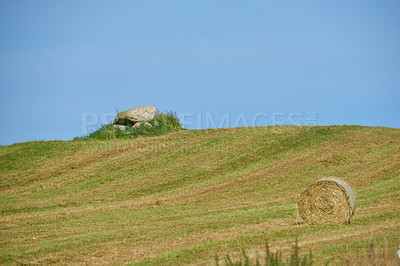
[[188, 195]]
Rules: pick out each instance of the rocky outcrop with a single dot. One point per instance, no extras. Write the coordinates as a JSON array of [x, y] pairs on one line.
[[134, 115]]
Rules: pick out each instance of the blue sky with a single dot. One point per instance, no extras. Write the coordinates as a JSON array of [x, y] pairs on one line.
[[63, 60]]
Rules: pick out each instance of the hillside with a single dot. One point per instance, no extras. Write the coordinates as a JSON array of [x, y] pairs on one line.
[[187, 196]]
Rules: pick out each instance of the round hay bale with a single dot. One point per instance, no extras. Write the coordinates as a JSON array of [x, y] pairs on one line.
[[327, 201]]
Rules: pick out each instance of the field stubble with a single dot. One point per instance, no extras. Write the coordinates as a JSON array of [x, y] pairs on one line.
[[189, 195]]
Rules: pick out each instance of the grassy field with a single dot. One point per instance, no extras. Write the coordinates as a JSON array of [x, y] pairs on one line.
[[187, 196]]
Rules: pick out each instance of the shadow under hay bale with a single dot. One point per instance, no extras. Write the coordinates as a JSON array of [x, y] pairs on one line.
[[327, 201]]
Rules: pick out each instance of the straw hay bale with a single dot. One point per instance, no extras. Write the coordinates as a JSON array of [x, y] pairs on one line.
[[327, 201]]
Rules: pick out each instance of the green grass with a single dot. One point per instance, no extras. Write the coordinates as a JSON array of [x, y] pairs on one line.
[[378, 251], [165, 123], [269, 258], [188, 195]]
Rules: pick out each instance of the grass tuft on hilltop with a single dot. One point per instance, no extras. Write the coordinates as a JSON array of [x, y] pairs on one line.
[[166, 123]]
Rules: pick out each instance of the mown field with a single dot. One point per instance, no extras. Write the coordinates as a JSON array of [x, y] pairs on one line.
[[184, 197]]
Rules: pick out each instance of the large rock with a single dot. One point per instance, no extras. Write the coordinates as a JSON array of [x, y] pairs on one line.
[[138, 114]]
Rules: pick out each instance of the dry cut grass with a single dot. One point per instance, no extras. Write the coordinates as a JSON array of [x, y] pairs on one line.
[[187, 196]]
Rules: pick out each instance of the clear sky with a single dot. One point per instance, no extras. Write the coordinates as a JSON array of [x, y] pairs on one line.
[[330, 62]]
